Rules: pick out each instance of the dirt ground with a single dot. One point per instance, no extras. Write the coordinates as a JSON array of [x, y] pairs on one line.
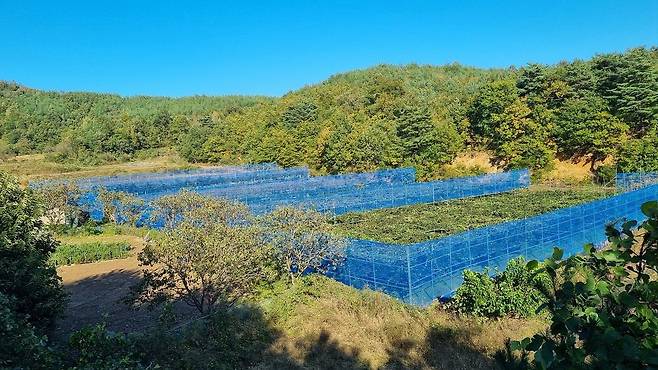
[[95, 293]]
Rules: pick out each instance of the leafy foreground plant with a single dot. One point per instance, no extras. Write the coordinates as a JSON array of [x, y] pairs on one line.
[[31, 294], [517, 291], [605, 306]]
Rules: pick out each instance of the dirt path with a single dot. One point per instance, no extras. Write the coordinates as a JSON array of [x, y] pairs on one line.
[[95, 293]]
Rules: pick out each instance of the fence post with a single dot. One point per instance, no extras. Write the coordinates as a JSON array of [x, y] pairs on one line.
[[408, 272]]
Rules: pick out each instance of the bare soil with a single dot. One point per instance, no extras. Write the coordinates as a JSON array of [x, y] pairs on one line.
[[96, 291]]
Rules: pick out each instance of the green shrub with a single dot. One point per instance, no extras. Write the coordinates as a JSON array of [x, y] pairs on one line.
[[21, 346], [94, 347], [25, 246], [68, 254], [607, 317], [514, 292], [605, 174], [236, 339]]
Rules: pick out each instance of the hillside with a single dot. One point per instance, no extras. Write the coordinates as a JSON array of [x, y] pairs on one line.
[[385, 116]]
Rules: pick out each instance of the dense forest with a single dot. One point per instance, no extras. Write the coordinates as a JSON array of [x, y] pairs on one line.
[[385, 116]]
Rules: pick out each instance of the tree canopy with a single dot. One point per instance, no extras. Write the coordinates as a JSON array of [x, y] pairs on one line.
[[385, 116]]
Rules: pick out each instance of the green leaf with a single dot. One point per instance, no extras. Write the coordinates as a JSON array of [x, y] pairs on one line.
[[589, 248], [557, 254], [544, 357], [531, 265], [650, 209]]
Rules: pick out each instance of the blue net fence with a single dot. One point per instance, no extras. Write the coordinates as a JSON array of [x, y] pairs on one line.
[[265, 187], [341, 194], [421, 272], [635, 180], [151, 185]]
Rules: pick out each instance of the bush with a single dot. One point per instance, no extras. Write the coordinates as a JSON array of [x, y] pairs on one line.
[[514, 292], [21, 346], [94, 347], [605, 174], [603, 312], [235, 339], [69, 254], [25, 245]]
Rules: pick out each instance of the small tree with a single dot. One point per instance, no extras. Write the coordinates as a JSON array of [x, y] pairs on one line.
[[172, 209], [302, 241], [604, 308], [62, 203], [119, 206], [204, 256]]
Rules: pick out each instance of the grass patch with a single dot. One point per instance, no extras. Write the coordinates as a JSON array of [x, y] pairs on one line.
[[68, 254], [321, 321], [430, 221], [39, 166]]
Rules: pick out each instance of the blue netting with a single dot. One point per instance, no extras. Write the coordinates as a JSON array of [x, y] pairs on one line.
[[265, 187], [635, 180], [420, 272], [340, 194]]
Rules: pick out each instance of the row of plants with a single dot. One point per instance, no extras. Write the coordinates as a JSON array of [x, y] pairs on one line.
[[430, 221], [68, 254]]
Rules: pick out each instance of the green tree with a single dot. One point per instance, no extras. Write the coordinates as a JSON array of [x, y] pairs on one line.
[[532, 83], [31, 295], [521, 137], [302, 241], [583, 127], [62, 201], [639, 155], [629, 82], [205, 256], [423, 140], [491, 100]]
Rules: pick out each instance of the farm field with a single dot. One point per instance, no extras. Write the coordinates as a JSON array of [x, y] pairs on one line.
[[430, 221], [301, 186]]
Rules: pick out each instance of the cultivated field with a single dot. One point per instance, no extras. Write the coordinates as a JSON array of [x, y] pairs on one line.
[[430, 221]]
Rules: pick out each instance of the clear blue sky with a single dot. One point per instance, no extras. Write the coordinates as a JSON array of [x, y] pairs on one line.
[[178, 48]]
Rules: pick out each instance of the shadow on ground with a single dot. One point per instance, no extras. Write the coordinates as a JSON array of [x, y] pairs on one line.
[[244, 337], [443, 348], [98, 298]]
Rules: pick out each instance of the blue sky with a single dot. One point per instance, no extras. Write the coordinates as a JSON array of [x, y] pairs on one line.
[[178, 48]]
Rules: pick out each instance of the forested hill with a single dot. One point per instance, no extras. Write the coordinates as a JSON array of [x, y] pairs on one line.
[[378, 117]]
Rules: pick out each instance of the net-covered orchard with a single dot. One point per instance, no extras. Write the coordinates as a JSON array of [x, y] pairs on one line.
[[263, 188], [418, 273]]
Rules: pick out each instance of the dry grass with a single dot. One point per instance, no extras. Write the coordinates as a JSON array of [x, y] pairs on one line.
[[38, 166], [570, 172], [482, 160], [365, 329]]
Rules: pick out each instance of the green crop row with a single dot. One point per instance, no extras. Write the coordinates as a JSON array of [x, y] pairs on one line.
[[67, 254], [430, 221]]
